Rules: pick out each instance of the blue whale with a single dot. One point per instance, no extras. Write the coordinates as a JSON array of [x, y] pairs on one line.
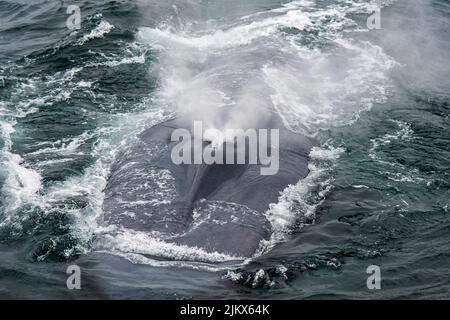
[[218, 208]]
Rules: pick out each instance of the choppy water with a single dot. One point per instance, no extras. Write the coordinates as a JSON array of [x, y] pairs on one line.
[[376, 101]]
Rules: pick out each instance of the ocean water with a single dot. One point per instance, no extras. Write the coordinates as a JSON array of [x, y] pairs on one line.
[[377, 103]]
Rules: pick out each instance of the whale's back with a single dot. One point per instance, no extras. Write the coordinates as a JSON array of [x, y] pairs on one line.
[[218, 208]]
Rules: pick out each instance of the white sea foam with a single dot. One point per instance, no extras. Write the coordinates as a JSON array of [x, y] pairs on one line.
[[129, 241], [103, 28], [222, 39], [404, 132], [117, 61], [21, 182], [394, 170], [318, 95], [297, 204]]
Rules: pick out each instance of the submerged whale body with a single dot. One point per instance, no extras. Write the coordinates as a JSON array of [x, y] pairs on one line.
[[217, 208]]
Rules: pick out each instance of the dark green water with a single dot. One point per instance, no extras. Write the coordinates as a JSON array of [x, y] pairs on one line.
[[376, 101]]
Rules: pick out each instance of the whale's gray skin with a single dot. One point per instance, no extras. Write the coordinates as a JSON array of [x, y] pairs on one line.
[[218, 208]]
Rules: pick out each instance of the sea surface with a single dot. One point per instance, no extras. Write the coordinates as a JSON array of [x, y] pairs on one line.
[[376, 101]]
